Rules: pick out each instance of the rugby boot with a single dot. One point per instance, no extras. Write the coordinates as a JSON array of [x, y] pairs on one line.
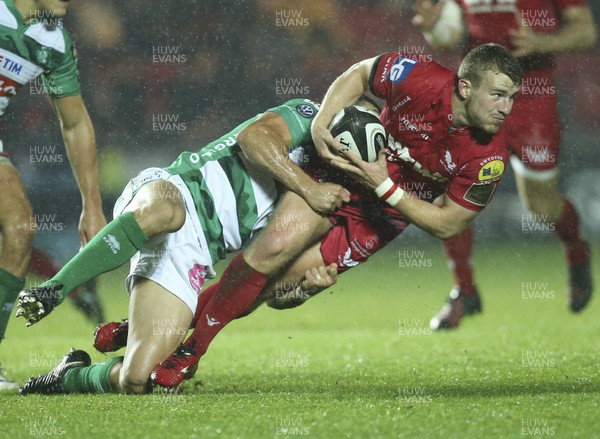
[[180, 366], [458, 306], [37, 303], [111, 336], [50, 383], [580, 283]]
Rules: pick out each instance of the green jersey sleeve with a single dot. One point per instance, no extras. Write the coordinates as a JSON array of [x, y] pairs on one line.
[[63, 79], [298, 115]]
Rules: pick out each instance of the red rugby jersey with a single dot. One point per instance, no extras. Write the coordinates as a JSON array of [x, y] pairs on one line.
[[488, 21], [428, 157]]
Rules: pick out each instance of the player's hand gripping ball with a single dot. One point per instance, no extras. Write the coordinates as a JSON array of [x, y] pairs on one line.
[[360, 131]]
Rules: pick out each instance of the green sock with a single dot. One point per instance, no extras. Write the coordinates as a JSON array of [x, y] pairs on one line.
[[10, 286], [114, 245], [90, 379]]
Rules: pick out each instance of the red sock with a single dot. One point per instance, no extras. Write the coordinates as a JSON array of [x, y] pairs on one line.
[[233, 295], [458, 251], [41, 265], [203, 299], [567, 229]]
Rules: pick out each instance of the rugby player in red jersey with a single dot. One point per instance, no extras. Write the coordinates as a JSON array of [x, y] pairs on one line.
[[438, 175], [535, 30]]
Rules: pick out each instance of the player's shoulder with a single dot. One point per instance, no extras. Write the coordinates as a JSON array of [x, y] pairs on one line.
[[487, 156], [399, 67], [55, 38], [8, 19]]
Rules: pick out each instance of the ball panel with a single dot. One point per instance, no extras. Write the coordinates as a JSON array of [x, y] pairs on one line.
[[360, 131]]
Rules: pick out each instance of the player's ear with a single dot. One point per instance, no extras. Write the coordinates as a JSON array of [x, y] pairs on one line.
[[465, 88]]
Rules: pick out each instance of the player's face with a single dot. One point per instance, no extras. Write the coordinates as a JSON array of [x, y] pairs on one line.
[[488, 105], [54, 8]]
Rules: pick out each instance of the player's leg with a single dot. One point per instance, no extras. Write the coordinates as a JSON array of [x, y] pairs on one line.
[[158, 321], [464, 298], [304, 278], [366, 236], [535, 131], [84, 298], [41, 264], [15, 244], [155, 208], [542, 198], [292, 228]]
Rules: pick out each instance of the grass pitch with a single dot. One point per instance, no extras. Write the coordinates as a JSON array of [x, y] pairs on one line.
[[358, 361]]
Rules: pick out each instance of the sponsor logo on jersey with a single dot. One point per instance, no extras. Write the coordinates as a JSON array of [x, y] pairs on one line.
[[491, 171], [488, 6], [196, 275], [401, 153], [16, 68], [113, 243], [401, 69], [346, 260], [401, 103], [449, 165], [480, 193], [305, 110], [384, 74]]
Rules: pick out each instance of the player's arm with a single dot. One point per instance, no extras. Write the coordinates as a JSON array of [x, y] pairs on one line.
[[441, 23], [265, 142], [80, 144], [443, 218], [342, 93], [577, 32]]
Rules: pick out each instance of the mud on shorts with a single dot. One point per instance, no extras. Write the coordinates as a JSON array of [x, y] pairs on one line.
[[179, 261]]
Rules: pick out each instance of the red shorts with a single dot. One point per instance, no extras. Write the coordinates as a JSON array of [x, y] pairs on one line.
[[361, 227], [354, 237], [533, 127]]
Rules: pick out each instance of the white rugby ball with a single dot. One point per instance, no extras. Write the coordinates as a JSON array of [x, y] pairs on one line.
[[360, 131]]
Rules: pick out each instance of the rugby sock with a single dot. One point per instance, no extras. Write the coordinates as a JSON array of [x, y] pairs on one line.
[[41, 264], [114, 245], [567, 229], [237, 290], [202, 301], [90, 379], [10, 286], [458, 250]]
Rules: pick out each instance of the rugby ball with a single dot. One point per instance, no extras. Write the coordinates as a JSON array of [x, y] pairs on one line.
[[360, 131]]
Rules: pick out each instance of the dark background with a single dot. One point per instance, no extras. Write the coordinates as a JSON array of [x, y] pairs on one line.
[[206, 66]]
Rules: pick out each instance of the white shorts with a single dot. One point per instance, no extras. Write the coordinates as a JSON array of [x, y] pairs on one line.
[[179, 261]]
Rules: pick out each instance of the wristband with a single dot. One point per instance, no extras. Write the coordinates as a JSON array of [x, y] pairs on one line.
[[389, 192], [393, 199], [384, 187]]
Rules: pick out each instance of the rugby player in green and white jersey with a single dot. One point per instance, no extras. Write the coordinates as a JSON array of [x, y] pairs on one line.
[[174, 224], [32, 44]]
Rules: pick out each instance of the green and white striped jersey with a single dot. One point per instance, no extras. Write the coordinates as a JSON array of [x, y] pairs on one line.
[[38, 47], [233, 198]]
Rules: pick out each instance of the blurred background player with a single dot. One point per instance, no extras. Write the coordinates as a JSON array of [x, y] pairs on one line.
[[534, 30], [33, 43]]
